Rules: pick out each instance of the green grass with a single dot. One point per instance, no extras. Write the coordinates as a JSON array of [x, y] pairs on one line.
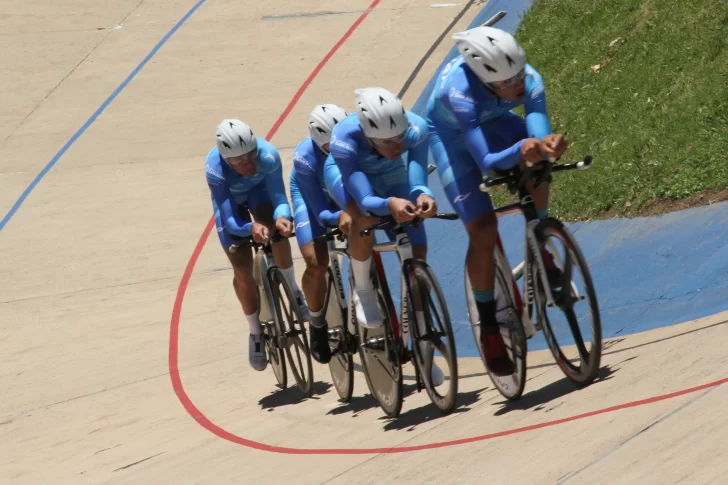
[[655, 115]]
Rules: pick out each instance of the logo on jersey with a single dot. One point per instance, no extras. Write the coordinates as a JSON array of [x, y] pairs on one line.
[[461, 198], [298, 158], [341, 144], [211, 171], [457, 94], [302, 224]]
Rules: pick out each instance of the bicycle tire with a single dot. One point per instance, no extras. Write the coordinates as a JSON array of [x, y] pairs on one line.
[[581, 377], [383, 368], [341, 365], [422, 272], [294, 332], [511, 387], [276, 356]]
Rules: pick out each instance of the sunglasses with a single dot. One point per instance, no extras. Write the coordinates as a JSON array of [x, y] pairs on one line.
[[510, 82], [244, 159], [384, 142]]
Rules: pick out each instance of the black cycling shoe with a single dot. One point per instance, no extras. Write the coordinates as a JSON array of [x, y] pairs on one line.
[[319, 343]]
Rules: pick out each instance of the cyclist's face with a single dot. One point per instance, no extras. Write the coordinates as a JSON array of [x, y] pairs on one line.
[[391, 148], [512, 89], [244, 164]]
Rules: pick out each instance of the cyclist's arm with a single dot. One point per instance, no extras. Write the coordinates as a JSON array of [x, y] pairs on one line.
[[417, 152], [355, 181], [274, 184], [537, 118], [310, 188], [237, 226], [463, 106]]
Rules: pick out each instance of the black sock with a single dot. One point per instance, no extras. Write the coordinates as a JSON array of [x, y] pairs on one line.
[[488, 323]]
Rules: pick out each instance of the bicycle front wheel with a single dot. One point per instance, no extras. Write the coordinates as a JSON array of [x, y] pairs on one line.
[[291, 327], [433, 334], [576, 346], [274, 351]]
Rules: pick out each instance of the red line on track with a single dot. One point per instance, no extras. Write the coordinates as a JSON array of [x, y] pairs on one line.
[[198, 416]]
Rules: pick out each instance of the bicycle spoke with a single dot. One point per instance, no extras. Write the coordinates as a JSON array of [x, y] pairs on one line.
[[578, 339]]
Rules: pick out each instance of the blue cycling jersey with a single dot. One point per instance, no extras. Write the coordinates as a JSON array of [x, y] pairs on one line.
[[307, 179], [461, 108], [229, 189], [372, 179]]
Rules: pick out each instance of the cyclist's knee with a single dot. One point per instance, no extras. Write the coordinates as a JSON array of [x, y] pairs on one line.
[[483, 231]]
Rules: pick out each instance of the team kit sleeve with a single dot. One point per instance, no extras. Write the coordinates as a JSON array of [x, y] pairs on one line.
[[417, 144], [463, 106], [220, 191], [274, 184], [310, 187], [537, 118], [345, 151]]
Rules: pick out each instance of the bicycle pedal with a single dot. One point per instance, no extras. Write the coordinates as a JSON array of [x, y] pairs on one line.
[[374, 343]]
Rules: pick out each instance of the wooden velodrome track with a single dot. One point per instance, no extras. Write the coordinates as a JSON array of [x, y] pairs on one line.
[[108, 376]]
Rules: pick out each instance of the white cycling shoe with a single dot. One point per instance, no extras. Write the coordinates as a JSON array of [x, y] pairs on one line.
[[367, 311], [256, 353]]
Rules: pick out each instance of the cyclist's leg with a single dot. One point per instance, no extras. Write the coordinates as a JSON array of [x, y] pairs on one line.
[[360, 248], [262, 209], [316, 256], [244, 286], [461, 177]]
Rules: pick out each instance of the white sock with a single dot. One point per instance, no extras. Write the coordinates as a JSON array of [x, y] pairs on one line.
[[290, 275], [362, 280], [254, 323]]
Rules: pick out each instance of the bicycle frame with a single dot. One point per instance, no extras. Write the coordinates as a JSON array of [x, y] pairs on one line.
[[526, 206], [263, 261]]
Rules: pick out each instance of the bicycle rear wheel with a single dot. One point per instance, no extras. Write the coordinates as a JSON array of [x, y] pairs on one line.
[[341, 364], [437, 333], [582, 365], [293, 330], [511, 387], [380, 350]]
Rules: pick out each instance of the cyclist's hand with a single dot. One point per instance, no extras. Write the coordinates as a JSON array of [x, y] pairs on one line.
[[426, 206], [284, 226], [344, 222], [402, 209], [555, 145], [260, 233], [532, 150]]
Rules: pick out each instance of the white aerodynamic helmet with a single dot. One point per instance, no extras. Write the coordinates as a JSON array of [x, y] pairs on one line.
[[322, 120], [380, 113], [235, 138], [493, 54]]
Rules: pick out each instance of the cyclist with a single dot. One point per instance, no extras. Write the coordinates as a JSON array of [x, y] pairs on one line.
[[244, 176], [474, 131], [313, 211], [366, 157]]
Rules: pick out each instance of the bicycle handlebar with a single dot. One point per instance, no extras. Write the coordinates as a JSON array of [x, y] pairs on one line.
[[388, 220], [249, 242], [539, 175]]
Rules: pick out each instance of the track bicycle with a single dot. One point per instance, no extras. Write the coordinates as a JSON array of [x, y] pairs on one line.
[[518, 311], [385, 349], [284, 333]]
